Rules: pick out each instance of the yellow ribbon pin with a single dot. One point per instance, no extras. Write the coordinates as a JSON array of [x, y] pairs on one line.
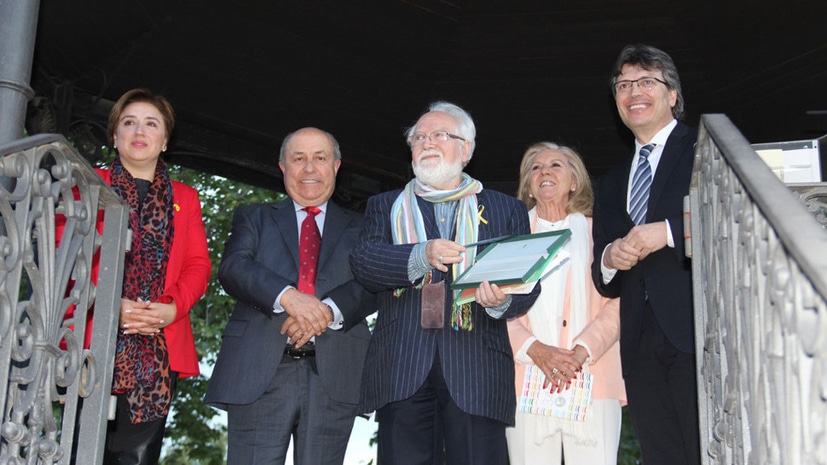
[[479, 214]]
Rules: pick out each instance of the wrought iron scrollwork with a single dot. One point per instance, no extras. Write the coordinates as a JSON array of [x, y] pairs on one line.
[[55, 366]]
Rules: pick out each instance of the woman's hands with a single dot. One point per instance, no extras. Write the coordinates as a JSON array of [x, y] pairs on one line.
[[559, 365], [145, 318]]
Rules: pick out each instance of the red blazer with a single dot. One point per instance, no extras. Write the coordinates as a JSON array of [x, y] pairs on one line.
[[188, 272]]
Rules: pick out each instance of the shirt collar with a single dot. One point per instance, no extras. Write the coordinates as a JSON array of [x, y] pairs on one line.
[[322, 207], [660, 138]]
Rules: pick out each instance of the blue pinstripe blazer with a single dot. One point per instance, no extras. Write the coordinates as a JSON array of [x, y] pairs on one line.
[[477, 365]]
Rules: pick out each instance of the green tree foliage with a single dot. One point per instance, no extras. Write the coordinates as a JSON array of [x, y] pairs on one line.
[[193, 436], [629, 451]]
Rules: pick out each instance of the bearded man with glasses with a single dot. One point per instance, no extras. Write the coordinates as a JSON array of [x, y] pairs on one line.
[[439, 374], [639, 256]]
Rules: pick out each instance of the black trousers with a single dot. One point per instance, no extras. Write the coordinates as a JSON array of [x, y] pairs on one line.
[[663, 399], [430, 429], [130, 443]]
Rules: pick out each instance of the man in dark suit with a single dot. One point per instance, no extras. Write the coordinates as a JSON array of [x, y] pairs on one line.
[[644, 263], [274, 382], [439, 374]]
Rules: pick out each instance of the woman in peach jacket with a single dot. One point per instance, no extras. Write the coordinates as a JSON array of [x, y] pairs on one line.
[[571, 327]]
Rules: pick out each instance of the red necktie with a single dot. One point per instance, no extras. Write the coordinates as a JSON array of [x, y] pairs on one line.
[[309, 244]]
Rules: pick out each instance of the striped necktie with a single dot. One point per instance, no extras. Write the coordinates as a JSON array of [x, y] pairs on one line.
[[640, 186]]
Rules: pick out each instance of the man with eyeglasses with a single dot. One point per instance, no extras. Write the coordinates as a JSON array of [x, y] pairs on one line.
[[639, 256], [440, 375]]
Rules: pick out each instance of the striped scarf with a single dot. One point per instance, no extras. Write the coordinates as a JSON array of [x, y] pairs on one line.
[[408, 227]]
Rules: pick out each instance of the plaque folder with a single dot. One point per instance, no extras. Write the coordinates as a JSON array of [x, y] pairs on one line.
[[517, 260]]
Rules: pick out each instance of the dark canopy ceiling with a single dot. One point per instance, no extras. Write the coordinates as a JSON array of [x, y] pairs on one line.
[[243, 73]]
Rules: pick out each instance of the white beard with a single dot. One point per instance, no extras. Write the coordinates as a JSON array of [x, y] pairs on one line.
[[437, 173]]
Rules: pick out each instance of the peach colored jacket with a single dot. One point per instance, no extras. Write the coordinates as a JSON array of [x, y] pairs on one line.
[[600, 337]]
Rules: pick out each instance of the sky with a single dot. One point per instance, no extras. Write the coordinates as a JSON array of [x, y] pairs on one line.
[[359, 451]]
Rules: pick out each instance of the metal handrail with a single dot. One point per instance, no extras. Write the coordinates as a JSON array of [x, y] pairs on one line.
[[56, 378], [759, 264], [790, 219]]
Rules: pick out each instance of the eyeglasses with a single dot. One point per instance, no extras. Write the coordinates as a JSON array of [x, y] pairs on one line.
[[437, 136], [644, 83]]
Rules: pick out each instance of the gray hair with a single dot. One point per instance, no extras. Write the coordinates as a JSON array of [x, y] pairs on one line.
[[465, 124], [651, 58], [337, 153]]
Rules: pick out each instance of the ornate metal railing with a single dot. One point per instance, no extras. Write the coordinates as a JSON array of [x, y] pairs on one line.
[[760, 271], [55, 387], [814, 198]]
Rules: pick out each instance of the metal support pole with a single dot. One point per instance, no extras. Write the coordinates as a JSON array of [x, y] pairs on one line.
[[18, 29]]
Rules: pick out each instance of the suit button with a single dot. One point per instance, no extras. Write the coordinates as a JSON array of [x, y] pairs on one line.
[[564, 323]]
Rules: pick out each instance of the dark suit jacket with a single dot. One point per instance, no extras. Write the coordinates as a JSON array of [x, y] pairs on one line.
[[477, 365], [664, 275], [260, 260]]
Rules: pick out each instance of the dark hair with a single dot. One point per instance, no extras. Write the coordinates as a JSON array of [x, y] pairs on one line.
[[651, 58], [139, 95]]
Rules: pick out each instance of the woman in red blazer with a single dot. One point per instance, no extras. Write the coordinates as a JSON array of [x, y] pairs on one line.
[[165, 272]]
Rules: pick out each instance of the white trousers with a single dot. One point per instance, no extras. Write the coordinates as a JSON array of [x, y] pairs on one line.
[[523, 450]]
